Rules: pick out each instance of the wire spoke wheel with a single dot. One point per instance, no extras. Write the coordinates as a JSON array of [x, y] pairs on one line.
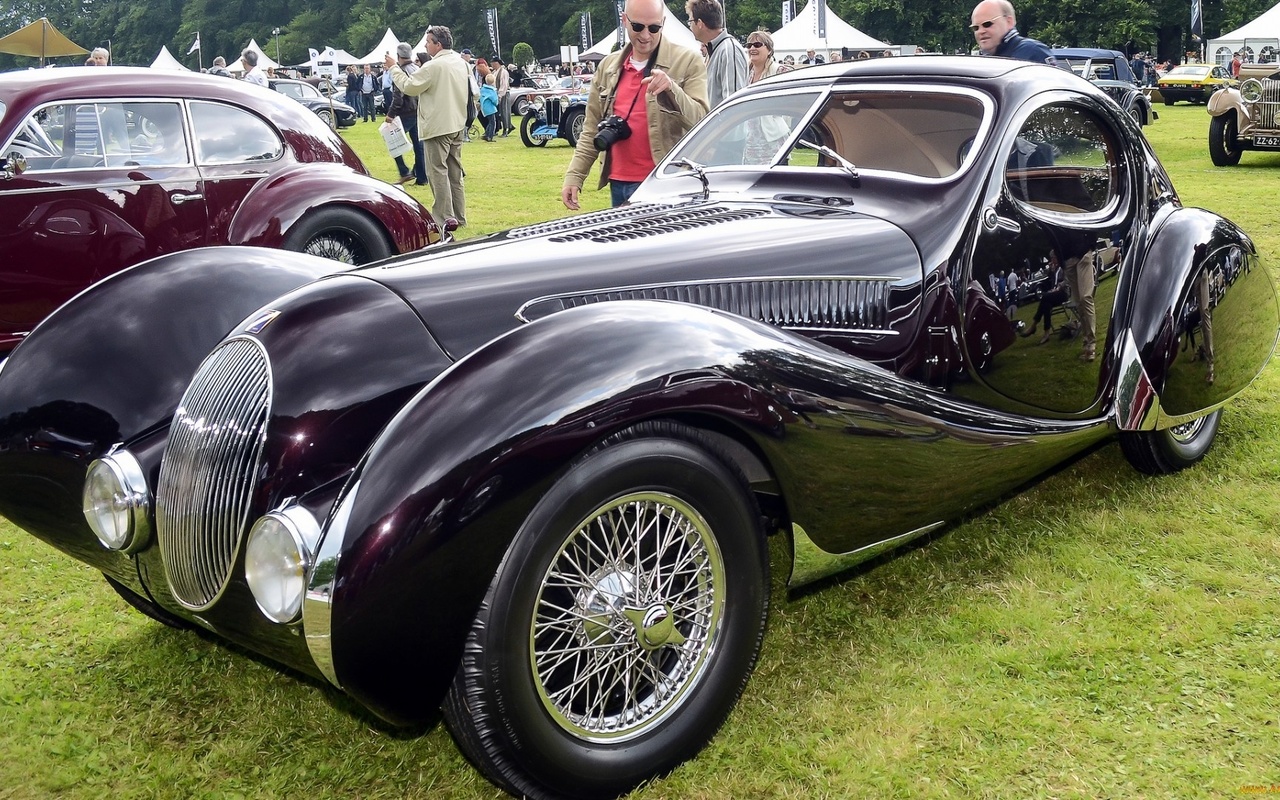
[[336, 245], [628, 613]]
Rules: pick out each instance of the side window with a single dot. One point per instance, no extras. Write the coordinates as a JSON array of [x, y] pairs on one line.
[[228, 135], [86, 134], [1063, 160]]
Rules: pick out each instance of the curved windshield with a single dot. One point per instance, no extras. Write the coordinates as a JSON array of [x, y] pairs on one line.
[[920, 133]]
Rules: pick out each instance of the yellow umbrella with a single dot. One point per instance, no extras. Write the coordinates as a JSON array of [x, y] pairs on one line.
[[40, 40]]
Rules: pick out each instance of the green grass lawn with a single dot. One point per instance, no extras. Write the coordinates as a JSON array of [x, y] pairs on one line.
[[1102, 635]]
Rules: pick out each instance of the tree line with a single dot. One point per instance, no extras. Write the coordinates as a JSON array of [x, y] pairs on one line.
[[136, 29]]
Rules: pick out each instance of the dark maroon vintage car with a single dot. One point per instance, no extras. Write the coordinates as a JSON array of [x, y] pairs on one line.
[[529, 479], [103, 168]]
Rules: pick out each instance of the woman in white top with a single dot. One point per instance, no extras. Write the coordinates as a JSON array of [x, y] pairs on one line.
[[764, 134]]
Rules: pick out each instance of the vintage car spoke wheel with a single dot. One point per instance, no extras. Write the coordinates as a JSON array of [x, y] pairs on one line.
[[527, 124], [340, 234], [326, 117], [573, 126], [622, 624], [1172, 449], [1224, 147]]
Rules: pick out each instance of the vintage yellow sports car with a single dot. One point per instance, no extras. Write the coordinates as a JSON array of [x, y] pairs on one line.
[[1194, 83]]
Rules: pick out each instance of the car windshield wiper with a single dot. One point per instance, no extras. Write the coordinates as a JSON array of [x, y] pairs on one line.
[[699, 171], [848, 165]]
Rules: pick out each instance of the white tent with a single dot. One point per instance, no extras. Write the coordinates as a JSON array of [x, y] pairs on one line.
[[165, 60], [673, 30], [801, 34], [264, 61], [380, 50], [1260, 39]]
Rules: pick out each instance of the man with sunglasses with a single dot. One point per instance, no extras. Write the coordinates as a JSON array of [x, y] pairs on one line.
[[726, 59], [996, 29], [658, 88]]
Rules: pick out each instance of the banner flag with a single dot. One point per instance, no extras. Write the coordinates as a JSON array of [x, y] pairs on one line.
[[622, 35], [584, 30], [194, 45], [1197, 20], [312, 55], [788, 11], [491, 16], [822, 19]]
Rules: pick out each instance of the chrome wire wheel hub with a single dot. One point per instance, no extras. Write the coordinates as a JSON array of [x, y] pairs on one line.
[[627, 615], [335, 246], [1187, 431]]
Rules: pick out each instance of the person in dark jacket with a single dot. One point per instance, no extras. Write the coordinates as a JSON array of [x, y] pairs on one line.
[[996, 29], [405, 109]]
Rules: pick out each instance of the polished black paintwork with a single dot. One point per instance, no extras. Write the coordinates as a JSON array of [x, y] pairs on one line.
[[411, 394]]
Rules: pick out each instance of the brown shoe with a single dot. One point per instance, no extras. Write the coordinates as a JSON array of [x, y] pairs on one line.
[[1088, 354], [405, 179]]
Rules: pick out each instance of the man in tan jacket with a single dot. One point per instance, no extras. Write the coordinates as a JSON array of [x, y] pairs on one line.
[[441, 88], [658, 88]]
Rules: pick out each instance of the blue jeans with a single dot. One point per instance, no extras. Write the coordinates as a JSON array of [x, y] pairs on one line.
[[621, 191]]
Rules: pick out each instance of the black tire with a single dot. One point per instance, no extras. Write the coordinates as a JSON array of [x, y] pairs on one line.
[[1139, 116], [1224, 147], [576, 579], [1168, 102], [1167, 451], [341, 234], [573, 125], [326, 116], [527, 123], [144, 605]]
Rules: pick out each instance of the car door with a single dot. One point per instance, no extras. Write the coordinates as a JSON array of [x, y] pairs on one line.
[[235, 150], [106, 184], [1052, 236]]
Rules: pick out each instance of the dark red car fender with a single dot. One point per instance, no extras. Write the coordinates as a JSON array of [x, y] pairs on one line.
[[1190, 245], [446, 487], [276, 204]]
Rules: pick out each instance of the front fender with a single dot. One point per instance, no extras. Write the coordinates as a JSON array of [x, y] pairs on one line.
[[446, 487], [1224, 100], [275, 205], [1205, 322], [110, 366]]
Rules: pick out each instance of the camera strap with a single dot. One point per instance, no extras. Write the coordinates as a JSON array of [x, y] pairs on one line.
[[645, 73]]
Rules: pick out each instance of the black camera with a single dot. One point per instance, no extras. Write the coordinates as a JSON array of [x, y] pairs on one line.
[[610, 131]]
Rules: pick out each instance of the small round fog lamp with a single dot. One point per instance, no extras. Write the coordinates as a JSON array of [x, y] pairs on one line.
[[277, 558], [116, 502], [1251, 90]]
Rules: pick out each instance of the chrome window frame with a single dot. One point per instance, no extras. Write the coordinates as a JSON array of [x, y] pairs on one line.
[[284, 147], [187, 133]]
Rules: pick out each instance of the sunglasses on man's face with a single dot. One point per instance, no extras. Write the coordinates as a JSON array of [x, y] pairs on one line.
[[986, 24], [653, 27]]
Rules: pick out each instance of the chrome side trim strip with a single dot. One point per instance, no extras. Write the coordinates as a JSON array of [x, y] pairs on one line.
[[317, 604], [810, 562]]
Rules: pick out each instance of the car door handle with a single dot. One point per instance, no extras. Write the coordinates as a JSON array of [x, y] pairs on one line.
[[991, 220], [179, 199]]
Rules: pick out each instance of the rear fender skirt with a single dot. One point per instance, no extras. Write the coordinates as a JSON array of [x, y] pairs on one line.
[[274, 206], [1197, 361]]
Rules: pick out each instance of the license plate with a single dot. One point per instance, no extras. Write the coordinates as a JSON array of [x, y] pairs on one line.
[[1266, 141]]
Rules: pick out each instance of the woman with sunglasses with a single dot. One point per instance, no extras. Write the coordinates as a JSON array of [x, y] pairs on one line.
[[995, 28], [764, 133]]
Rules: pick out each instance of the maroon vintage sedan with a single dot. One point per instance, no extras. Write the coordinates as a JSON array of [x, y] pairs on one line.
[[104, 168]]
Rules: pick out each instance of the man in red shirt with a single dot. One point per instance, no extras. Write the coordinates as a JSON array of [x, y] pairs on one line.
[[657, 88]]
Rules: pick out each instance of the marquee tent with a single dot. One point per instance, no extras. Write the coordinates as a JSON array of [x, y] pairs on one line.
[[380, 50], [673, 30], [1261, 38], [40, 40], [165, 60], [264, 61], [800, 34]]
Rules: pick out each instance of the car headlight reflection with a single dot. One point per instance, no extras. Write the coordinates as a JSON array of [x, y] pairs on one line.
[[277, 558], [1251, 90], [116, 502]]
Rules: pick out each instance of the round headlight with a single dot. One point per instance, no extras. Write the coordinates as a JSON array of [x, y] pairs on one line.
[[277, 558], [116, 502], [1251, 90]]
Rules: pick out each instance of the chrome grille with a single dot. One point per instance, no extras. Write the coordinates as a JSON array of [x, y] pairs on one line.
[[207, 475], [1266, 110], [835, 304]]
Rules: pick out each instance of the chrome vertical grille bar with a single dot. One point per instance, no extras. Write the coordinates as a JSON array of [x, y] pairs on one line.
[[207, 476]]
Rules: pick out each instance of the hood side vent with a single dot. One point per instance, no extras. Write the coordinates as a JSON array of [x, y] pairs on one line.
[[658, 224], [838, 304], [586, 220]]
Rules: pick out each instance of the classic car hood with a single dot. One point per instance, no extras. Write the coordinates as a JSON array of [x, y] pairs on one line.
[[736, 256]]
